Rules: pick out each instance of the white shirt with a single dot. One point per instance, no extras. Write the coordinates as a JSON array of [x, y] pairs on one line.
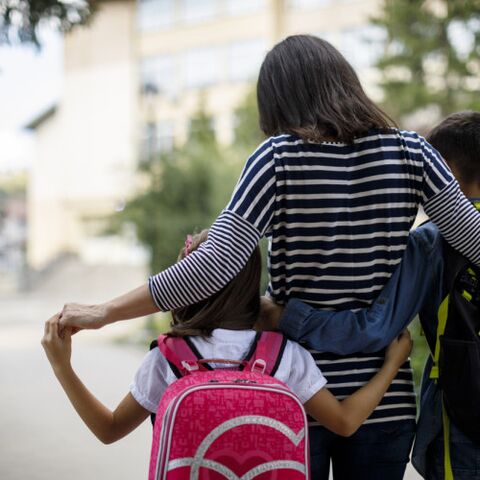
[[297, 368]]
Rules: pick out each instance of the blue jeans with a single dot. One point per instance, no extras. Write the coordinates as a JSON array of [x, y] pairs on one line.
[[464, 454], [376, 451]]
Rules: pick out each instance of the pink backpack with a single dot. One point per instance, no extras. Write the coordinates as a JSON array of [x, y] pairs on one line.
[[235, 424]]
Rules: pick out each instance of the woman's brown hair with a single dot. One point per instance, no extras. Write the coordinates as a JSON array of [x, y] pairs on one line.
[[307, 88], [236, 306]]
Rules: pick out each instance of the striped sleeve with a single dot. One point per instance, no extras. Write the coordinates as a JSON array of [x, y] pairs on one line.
[[231, 239], [446, 205], [254, 195]]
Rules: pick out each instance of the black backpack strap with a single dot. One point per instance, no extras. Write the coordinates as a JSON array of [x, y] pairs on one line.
[[455, 262]]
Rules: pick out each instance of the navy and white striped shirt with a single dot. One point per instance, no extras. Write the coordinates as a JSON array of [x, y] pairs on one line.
[[338, 218]]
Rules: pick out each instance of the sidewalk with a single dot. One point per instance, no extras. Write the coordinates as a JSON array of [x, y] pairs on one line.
[[40, 435]]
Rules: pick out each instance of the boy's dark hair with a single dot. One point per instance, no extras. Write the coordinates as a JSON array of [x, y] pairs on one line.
[[236, 306], [307, 88], [457, 138]]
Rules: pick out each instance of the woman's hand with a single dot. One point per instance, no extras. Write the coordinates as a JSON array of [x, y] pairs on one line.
[[136, 303], [83, 316], [270, 315], [399, 350], [57, 346]]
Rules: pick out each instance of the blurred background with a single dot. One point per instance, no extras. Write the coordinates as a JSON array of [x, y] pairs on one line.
[[124, 126]]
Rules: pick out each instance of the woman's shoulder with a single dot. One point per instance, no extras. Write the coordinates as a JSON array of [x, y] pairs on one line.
[[273, 143], [292, 140], [411, 136]]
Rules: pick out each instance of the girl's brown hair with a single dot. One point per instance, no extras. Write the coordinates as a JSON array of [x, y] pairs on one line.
[[235, 307], [307, 88]]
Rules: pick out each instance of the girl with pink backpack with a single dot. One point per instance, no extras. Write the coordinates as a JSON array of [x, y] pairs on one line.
[[235, 411]]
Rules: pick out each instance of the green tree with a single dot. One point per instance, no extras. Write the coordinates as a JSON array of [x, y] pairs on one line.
[[432, 55], [20, 19], [178, 195], [184, 190], [247, 133]]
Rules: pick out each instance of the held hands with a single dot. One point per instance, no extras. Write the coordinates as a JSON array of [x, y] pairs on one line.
[[399, 350], [57, 346], [83, 316]]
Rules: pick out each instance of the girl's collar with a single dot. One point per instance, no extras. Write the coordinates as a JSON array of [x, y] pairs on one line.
[[226, 333]]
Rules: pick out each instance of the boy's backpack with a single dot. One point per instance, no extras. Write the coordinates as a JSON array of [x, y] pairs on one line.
[[457, 350], [230, 423]]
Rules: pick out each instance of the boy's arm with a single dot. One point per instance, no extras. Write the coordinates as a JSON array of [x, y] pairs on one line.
[[106, 425], [345, 417], [372, 329]]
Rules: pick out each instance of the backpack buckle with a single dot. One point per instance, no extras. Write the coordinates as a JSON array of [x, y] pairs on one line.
[[259, 366], [190, 366]]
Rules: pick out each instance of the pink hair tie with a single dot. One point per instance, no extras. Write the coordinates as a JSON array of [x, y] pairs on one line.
[[188, 244]]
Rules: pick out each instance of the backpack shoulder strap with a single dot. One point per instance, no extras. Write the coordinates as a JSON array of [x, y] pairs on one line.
[[181, 355], [268, 353], [455, 262]]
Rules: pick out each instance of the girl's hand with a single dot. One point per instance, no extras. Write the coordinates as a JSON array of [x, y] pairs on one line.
[[58, 347], [399, 350]]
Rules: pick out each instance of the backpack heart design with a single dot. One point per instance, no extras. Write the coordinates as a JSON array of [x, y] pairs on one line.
[[227, 423]]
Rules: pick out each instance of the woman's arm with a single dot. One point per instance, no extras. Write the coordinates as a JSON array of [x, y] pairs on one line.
[[106, 425], [231, 241], [446, 205], [136, 303], [345, 417]]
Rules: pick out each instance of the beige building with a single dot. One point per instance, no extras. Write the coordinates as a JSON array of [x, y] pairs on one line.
[[217, 46], [86, 145], [133, 79]]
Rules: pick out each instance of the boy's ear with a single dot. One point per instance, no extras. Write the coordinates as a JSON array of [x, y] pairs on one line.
[[466, 186]]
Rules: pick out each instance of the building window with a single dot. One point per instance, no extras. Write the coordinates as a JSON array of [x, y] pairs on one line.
[[245, 58], [202, 67], [196, 11], [158, 74], [157, 138], [155, 14], [244, 7], [307, 4]]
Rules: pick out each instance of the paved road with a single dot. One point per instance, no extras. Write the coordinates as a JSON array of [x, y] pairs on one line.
[[40, 435]]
